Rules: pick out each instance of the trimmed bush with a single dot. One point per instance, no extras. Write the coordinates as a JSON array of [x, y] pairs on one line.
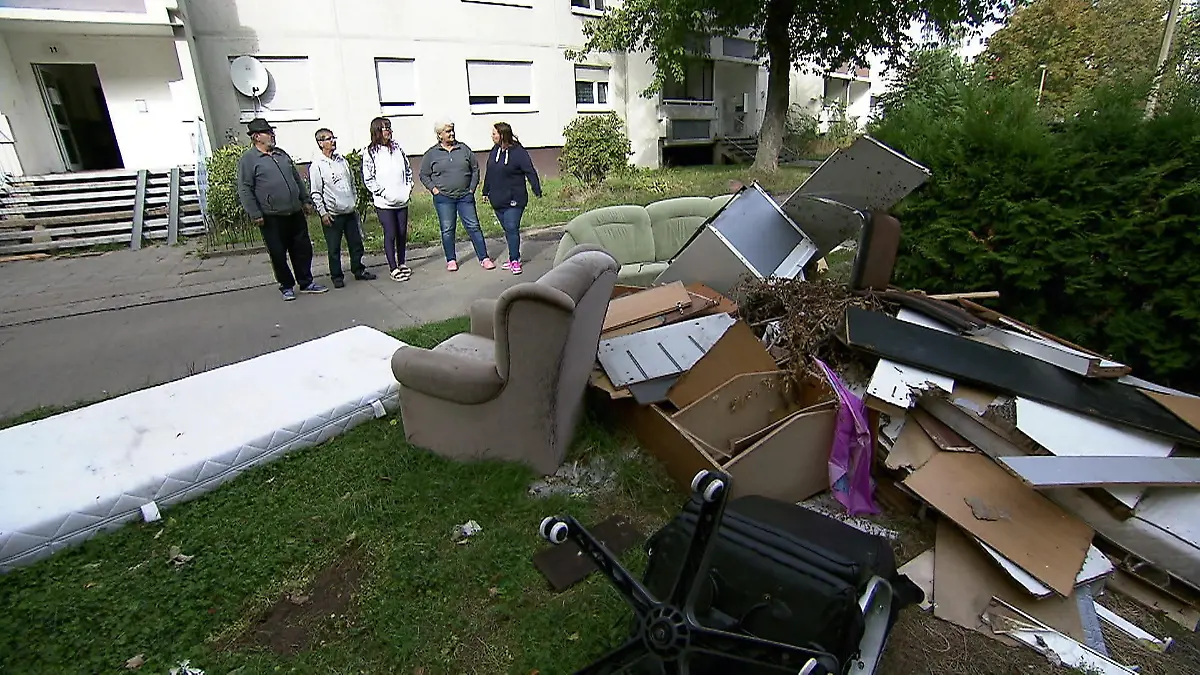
[[1089, 228], [595, 147]]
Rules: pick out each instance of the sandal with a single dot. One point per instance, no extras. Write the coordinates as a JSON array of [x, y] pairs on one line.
[[405, 272]]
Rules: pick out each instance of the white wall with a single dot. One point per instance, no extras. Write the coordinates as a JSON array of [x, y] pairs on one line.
[[131, 69], [342, 42], [13, 111]]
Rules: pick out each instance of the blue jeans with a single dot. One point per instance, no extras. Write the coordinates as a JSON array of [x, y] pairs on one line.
[[510, 220], [464, 207]]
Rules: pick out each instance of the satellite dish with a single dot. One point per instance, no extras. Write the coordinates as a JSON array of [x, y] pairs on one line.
[[249, 76]]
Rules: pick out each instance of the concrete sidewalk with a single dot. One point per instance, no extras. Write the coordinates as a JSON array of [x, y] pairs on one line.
[[82, 329]]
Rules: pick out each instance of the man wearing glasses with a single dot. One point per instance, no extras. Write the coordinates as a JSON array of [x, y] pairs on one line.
[[273, 195], [334, 197]]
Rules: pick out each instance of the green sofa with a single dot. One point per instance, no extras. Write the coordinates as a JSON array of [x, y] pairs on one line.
[[641, 238]]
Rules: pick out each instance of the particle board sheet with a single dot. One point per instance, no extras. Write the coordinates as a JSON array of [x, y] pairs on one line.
[[1022, 525], [965, 580], [739, 407], [1186, 408], [635, 307], [998, 369], [868, 176], [660, 352], [1068, 434], [1080, 472], [737, 352], [93, 469], [1096, 565], [892, 383], [912, 449]]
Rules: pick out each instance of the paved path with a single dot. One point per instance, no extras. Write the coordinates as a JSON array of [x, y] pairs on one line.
[[79, 329]]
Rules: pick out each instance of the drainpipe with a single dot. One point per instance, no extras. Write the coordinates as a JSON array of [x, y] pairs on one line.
[[206, 107]]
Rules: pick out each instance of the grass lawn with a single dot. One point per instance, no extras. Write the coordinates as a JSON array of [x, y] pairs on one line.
[[564, 199], [280, 551]]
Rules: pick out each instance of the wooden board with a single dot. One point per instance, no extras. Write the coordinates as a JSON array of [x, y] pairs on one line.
[[912, 449], [942, 436], [636, 307], [1077, 472], [738, 351], [792, 462], [705, 301], [999, 369], [1186, 409], [742, 405], [1022, 525], [565, 565], [964, 581], [599, 380]]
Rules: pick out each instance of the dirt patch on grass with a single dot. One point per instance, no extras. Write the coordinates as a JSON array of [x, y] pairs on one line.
[[300, 619]]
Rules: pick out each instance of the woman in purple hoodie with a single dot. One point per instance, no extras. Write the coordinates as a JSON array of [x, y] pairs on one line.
[[508, 167]]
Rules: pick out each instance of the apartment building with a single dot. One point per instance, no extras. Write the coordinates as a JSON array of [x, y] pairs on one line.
[[104, 84]]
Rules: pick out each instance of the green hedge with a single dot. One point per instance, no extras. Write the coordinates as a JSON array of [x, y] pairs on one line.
[[1089, 227]]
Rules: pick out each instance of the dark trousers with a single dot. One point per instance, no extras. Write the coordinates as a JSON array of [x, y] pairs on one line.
[[395, 234], [345, 224], [287, 236], [510, 220]]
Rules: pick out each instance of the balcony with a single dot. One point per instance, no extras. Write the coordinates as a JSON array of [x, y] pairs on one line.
[[99, 17], [846, 72]]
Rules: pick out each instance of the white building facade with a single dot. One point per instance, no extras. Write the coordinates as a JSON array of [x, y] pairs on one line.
[[105, 84]]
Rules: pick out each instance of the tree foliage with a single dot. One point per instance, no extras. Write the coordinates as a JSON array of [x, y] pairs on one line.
[[1088, 227], [1082, 43], [817, 34]]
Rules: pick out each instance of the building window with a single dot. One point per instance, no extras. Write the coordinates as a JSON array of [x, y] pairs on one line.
[[591, 86], [697, 84], [528, 4], [500, 85], [587, 6], [396, 81], [739, 48], [691, 130], [289, 95]]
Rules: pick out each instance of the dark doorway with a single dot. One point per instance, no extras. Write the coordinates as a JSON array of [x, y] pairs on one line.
[[79, 116], [687, 155]]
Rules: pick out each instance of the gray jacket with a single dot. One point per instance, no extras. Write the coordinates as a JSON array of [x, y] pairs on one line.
[[454, 172], [270, 184], [331, 185]]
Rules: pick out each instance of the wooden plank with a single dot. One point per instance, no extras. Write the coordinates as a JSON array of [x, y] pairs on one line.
[[118, 226], [964, 581], [912, 449], [1022, 525], [652, 302], [973, 295], [64, 243], [1107, 471], [173, 210], [55, 221], [993, 315], [24, 256], [1010, 372], [139, 211], [737, 352], [943, 436], [82, 206]]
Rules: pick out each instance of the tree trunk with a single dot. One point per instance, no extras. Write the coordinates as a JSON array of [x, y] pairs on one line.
[[779, 82]]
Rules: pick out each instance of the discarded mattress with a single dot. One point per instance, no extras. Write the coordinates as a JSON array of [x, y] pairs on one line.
[[67, 477]]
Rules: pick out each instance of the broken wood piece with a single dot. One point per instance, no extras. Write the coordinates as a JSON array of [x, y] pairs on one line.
[[943, 436], [1184, 407], [705, 302], [1131, 629], [980, 433], [738, 351], [965, 580], [1005, 619], [635, 307], [600, 381], [1106, 471], [565, 565], [1072, 360], [911, 450], [972, 295], [920, 571], [739, 407], [1009, 372], [1095, 566], [1036, 534], [669, 350], [952, 316], [652, 391], [1154, 599], [996, 317]]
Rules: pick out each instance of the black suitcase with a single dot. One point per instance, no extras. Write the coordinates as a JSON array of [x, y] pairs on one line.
[[780, 572]]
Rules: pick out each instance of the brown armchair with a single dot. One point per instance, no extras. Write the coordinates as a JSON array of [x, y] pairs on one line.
[[512, 388]]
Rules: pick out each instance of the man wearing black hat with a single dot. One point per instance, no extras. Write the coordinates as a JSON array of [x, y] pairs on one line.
[[273, 195]]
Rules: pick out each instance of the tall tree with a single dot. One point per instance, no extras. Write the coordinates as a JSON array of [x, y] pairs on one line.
[[809, 34], [1082, 44]]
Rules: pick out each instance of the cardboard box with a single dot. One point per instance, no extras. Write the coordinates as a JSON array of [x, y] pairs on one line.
[[755, 427]]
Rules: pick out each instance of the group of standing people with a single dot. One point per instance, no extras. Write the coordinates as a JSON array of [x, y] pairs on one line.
[[273, 195]]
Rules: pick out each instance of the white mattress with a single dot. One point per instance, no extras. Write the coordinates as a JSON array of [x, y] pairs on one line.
[[67, 477]]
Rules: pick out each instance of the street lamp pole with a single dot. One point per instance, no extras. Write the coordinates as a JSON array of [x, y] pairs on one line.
[[1041, 85]]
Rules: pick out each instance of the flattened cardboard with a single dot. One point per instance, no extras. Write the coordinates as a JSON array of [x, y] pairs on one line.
[[740, 406], [636, 307], [1029, 529], [738, 351], [964, 581]]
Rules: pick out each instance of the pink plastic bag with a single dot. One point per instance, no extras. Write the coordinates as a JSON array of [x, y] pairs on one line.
[[850, 456]]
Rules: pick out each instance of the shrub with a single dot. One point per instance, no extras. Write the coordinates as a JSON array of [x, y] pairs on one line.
[[224, 209], [595, 147], [362, 201], [1089, 228]]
